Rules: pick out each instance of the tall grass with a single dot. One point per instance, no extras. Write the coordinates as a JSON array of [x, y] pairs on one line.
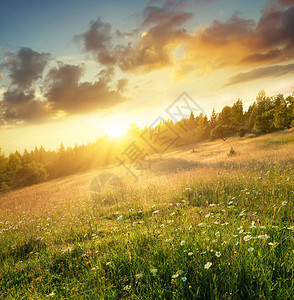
[[222, 230]]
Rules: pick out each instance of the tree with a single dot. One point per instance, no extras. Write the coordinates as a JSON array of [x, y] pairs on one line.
[[263, 103], [213, 120], [202, 130], [31, 173], [237, 115], [264, 123], [282, 116], [225, 116], [223, 132], [3, 171], [14, 164], [134, 130]]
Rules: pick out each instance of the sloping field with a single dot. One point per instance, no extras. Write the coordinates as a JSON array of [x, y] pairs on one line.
[[198, 224]]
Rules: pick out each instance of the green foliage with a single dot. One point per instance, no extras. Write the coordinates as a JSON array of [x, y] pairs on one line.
[[31, 173], [225, 116], [223, 132], [237, 115], [264, 123], [266, 114]]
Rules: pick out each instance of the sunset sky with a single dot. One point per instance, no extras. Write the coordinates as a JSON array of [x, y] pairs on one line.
[[71, 71]]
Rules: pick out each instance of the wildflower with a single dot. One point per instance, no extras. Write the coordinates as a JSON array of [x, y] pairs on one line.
[[155, 212], [247, 238], [263, 236], [175, 275], [207, 265], [202, 224], [271, 244], [127, 287], [225, 224], [182, 243], [230, 203], [108, 263], [207, 216], [119, 218], [50, 295], [190, 253], [242, 213], [184, 278], [250, 249], [218, 254], [139, 276], [168, 240], [217, 233], [262, 227], [284, 203], [188, 189], [153, 271]]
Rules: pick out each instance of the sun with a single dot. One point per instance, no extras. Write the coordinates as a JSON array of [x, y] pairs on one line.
[[115, 131]]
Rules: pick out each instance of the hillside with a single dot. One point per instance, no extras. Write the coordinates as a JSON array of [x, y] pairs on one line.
[[197, 224]]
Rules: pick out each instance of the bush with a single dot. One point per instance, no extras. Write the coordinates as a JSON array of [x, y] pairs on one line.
[[242, 131], [232, 152]]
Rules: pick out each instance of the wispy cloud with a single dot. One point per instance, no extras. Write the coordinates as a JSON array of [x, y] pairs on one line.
[[260, 73]]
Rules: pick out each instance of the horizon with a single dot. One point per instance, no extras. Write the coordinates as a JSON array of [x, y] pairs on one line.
[[90, 69]]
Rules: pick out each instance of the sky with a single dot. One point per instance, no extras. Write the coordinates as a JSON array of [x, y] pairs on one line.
[[72, 71]]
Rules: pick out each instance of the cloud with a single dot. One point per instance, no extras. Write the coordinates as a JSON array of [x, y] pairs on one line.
[[234, 42], [65, 92], [161, 31], [18, 106], [19, 102], [244, 42], [98, 41], [272, 71], [61, 91], [286, 2], [25, 67]]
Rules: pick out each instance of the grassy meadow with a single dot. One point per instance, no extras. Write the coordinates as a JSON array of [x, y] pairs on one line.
[[198, 225]]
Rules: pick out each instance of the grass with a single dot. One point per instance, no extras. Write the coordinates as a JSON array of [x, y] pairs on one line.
[[220, 228]]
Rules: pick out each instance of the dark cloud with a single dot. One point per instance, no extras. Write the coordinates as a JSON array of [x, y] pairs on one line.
[[170, 13], [19, 102], [25, 67], [259, 73], [61, 90], [286, 2], [235, 42], [156, 46], [223, 33], [18, 106], [65, 92], [240, 41], [98, 40], [161, 29]]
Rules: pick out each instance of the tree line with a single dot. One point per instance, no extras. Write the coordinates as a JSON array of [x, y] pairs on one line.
[[265, 115]]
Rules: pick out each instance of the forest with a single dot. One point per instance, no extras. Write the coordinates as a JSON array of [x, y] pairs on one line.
[[267, 114]]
